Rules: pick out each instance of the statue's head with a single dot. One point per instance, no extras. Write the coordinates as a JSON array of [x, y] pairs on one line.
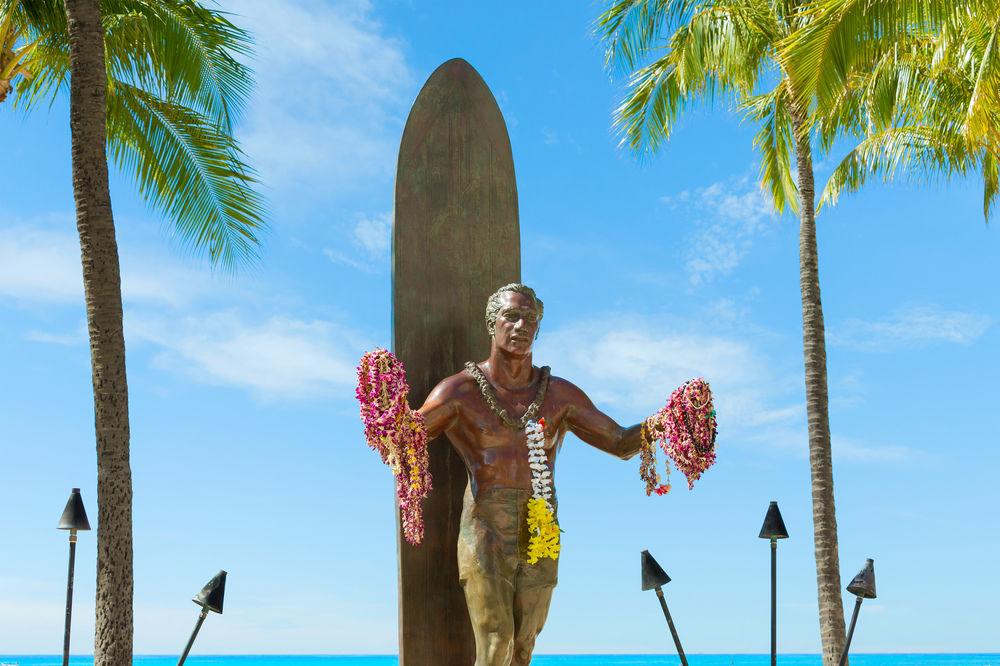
[[513, 314]]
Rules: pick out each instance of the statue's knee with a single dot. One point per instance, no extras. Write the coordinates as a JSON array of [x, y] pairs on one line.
[[522, 650], [498, 638]]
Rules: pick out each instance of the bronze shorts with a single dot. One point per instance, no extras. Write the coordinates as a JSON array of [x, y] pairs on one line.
[[493, 540]]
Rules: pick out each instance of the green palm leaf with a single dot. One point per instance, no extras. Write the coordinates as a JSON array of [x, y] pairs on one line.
[[175, 87], [775, 141], [188, 167]]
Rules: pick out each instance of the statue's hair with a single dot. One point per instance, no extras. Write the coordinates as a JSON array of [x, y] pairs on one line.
[[496, 300]]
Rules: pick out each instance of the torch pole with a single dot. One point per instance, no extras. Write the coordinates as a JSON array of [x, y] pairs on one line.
[[194, 635], [850, 632], [774, 602], [673, 629], [69, 595]]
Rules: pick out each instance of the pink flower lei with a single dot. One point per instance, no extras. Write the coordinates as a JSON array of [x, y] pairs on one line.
[[397, 433], [686, 429]]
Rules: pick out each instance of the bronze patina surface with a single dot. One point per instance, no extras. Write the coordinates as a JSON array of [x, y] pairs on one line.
[[508, 600], [507, 597]]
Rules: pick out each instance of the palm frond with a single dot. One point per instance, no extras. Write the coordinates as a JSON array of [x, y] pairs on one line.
[[42, 76], [175, 86], [191, 54], [985, 97], [919, 151], [718, 52], [631, 28], [191, 169], [991, 182], [775, 141], [834, 36]]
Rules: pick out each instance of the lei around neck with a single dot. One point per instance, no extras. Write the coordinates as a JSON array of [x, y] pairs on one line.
[[490, 396]]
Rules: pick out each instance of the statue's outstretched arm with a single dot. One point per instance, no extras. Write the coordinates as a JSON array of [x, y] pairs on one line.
[[597, 428]]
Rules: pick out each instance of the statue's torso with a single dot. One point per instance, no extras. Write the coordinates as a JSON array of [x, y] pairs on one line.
[[495, 454]]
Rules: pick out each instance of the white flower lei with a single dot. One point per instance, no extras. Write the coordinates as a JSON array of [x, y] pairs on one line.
[[541, 475]]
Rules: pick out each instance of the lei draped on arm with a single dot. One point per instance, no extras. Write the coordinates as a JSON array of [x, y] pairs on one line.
[[686, 429], [397, 433]]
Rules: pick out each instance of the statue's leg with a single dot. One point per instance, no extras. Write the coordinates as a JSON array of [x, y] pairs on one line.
[[487, 563], [490, 602], [532, 596]]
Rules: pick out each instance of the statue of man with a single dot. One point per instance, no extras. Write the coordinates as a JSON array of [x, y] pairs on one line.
[[484, 410]]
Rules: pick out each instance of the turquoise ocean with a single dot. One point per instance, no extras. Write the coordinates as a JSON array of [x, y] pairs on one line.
[[539, 660]]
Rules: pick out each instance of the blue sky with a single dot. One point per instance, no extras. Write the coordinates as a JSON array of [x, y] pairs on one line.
[[247, 452]]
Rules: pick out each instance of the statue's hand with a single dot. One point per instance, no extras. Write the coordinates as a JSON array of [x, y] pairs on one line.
[[654, 425]]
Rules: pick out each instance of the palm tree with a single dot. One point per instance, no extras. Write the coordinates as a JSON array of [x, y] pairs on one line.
[[924, 78], [157, 81], [679, 52]]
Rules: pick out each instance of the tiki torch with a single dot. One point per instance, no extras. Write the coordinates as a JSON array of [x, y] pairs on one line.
[[774, 529], [863, 586], [210, 599], [654, 578], [74, 517]]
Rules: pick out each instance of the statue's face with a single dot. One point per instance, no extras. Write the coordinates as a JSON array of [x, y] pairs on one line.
[[516, 325]]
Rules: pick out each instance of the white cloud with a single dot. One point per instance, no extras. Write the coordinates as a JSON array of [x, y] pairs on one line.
[[353, 259], [372, 234], [40, 265], [635, 363], [792, 437], [281, 357], [331, 94], [67, 340], [910, 327], [369, 245], [847, 448], [729, 216], [632, 363]]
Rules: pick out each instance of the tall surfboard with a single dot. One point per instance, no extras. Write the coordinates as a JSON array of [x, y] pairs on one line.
[[455, 240]]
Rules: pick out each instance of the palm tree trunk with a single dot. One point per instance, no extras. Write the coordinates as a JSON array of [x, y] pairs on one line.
[[102, 289], [831, 611]]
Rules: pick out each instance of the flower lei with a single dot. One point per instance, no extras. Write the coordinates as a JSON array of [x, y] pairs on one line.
[[397, 433], [542, 526], [686, 429]]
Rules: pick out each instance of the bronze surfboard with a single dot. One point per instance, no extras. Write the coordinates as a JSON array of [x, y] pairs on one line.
[[455, 240]]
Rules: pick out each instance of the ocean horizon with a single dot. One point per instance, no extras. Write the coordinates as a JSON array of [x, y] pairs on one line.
[[694, 659]]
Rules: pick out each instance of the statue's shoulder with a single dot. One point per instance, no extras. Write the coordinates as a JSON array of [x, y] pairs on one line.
[[565, 390], [456, 385]]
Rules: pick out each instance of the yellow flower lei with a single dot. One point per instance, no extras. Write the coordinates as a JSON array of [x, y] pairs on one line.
[[544, 531], [542, 526]]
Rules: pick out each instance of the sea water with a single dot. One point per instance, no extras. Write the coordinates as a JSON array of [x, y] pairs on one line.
[[539, 660]]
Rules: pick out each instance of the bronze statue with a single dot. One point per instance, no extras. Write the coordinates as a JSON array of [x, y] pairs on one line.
[[483, 410]]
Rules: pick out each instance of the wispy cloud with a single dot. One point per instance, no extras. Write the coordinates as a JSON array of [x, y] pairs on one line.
[[176, 309], [63, 340], [277, 358], [791, 437], [368, 241], [39, 264], [372, 234], [848, 448], [331, 94], [911, 326], [635, 362], [630, 363], [729, 216]]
